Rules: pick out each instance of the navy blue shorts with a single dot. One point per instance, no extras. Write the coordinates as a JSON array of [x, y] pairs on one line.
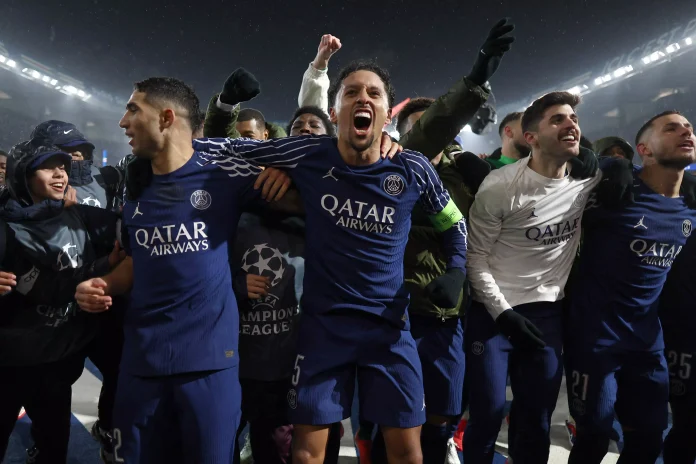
[[441, 350], [335, 348], [680, 351], [181, 418], [603, 382]]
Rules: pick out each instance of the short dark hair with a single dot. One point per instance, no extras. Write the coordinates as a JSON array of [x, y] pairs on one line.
[[3, 153], [371, 66], [161, 89], [644, 128], [316, 111], [247, 114], [414, 106], [535, 113], [516, 116]]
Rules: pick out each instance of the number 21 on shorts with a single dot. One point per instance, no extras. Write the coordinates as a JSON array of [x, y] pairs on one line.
[[296, 375]]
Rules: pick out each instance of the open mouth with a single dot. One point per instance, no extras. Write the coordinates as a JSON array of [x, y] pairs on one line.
[[362, 120], [57, 186], [687, 145], [570, 138]]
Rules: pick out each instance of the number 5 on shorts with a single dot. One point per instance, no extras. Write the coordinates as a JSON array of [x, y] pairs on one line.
[[296, 375]]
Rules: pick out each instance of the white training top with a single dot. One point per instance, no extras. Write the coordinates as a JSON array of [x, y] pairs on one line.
[[524, 231]]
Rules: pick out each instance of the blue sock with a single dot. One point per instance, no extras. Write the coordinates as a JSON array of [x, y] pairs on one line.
[[434, 441]]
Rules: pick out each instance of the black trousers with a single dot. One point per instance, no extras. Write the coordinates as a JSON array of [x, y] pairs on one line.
[[45, 391]]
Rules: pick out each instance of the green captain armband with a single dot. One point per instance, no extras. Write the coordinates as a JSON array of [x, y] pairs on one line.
[[446, 218]]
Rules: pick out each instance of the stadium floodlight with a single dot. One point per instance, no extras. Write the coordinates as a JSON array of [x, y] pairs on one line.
[[11, 63], [646, 60], [81, 93], [70, 89], [688, 41], [467, 128], [673, 48], [2, 59], [598, 81], [53, 82], [46, 79], [87, 97], [35, 74]]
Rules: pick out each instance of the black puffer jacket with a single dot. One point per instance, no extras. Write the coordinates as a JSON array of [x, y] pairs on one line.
[[60, 242]]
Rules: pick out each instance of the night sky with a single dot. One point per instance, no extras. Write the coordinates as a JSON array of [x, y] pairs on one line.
[[426, 45]]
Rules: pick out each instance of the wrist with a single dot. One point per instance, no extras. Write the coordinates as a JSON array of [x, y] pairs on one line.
[[320, 64]]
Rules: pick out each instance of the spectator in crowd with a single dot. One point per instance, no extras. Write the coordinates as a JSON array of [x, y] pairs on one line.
[[614, 147], [3, 166]]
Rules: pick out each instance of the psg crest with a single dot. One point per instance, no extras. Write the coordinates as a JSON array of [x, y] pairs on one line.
[[200, 199], [686, 227], [394, 184]]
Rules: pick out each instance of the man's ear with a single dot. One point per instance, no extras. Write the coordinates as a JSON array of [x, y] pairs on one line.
[[531, 138], [333, 116], [167, 118], [389, 117]]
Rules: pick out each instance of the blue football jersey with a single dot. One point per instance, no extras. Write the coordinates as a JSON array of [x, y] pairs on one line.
[[358, 219], [678, 297], [624, 262], [183, 314]]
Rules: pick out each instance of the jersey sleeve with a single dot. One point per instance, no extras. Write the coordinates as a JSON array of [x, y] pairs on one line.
[[443, 213], [285, 153], [102, 226], [485, 223]]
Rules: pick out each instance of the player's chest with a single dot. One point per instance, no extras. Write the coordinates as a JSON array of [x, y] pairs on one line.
[[545, 221], [179, 216], [371, 200]]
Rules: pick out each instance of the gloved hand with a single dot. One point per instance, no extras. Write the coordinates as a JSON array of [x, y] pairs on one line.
[[519, 330], [138, 177], [491, 52], [616, 188], [584, 165], [445, 290], [688, 189], [472, 169], [239, 87]]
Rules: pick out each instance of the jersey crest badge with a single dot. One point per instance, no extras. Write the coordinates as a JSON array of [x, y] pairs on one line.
[[394, 184], [200, 199]]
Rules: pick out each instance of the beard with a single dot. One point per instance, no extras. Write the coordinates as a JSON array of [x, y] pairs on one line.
[[523, 150], [678, 163], [362, 145]]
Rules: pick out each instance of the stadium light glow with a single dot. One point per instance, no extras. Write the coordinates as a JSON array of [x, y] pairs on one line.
[[86, 97], [46, 79], [598, 81], [467, 128], [53, 82], [672, 48], [35, 74], [12, 63], [2, 59], [688, 41], [81, 93]]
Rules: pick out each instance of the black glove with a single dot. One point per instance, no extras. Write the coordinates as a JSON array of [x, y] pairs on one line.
[[138, 177], [688, 189], [239, 87], [616, 188], [491, 52], [584, 165], [519, 330], [472, 169], [445, 290]]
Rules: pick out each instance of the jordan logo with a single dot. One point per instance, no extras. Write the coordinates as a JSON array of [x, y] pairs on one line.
[[137, 211], [533, 215], [330, 174], [640, 224]]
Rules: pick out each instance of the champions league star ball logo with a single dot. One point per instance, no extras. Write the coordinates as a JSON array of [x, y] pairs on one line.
[[200, 199], [686, 228], [89, 201], [264, 261], [394, 184], [68, 258]]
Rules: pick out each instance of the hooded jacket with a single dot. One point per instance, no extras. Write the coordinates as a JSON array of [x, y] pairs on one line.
[[602, 145], [58, 241], [99, 187]]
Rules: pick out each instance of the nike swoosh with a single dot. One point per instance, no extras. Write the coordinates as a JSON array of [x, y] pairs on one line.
[[67, 132]]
